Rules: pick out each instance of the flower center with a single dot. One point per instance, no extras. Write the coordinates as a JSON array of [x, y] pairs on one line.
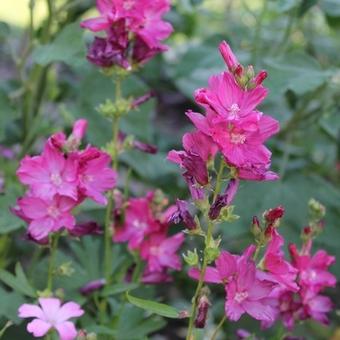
[[88, 178], [234, 109], [239, 297], [56, 179], [139, 225], [237, 138], [154, 250], [53, 211]]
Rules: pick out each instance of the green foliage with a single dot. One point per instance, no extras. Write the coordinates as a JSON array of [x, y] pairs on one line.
[[154, 307]]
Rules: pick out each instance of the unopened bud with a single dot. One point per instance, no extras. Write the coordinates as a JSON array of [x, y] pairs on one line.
[[191, 258], [92, 286], [202, 311], [256, 228], [272, 216], [316, 209], [260, 77]]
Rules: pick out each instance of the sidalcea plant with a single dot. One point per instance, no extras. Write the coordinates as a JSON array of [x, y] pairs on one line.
[[231, 136], [227, 145]]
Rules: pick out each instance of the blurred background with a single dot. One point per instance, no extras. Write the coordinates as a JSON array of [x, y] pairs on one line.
[[44, 71]]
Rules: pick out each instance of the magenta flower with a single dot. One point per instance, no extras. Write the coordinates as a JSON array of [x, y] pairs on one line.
[[123, 19], [95, 175], [151, 277], [246, 293], [313, 270], [46, 216], [50, 174], [182, 214], [242, 141], [138, 223], [281, 271], [160, 251], [198, 149], [51, 315], [227, 99]]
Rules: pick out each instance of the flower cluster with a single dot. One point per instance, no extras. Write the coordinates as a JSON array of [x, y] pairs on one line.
[[134, 31], [274, 288], [232, 125], [60, 179], [51, 315], [143, 223]]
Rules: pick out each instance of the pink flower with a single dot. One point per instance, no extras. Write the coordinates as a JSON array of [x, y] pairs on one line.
[[46, 216], [120, 20], [51, 315], [160, 251], [227, 99], [138, 223], [50, 174], [199, 148], [274, 263], [95, 175], [152, 277], [317, 306], [256, 172], [313, 270], [241, 142], [182, 214], [245, 292]]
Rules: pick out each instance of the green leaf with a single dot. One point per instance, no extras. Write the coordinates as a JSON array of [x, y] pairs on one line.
[[68, 47], [119, 288], [297, 72], [10, 302], [18, 283], [154, 307]]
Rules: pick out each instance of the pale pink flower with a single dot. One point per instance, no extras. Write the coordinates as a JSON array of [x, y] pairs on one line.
[[160, 251], [50, 174], [51, 315], [139, 222], [46, 216], [95, 175]]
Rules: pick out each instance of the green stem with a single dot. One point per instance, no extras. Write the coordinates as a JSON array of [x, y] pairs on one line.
[[200, 282], [53, 249], [108, 219], [219, 179], [217, 329]]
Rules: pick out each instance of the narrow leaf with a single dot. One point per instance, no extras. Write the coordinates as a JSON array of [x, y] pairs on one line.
[[118, 288], [154, 307]]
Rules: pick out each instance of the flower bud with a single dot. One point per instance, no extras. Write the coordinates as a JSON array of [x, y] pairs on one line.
[[92, 286], [256, 228], [202, 311], [141, 100], [182, 214], [228, 56], [272, 216], [223, 200], [260, 77], [316, 209], [191, 258]]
